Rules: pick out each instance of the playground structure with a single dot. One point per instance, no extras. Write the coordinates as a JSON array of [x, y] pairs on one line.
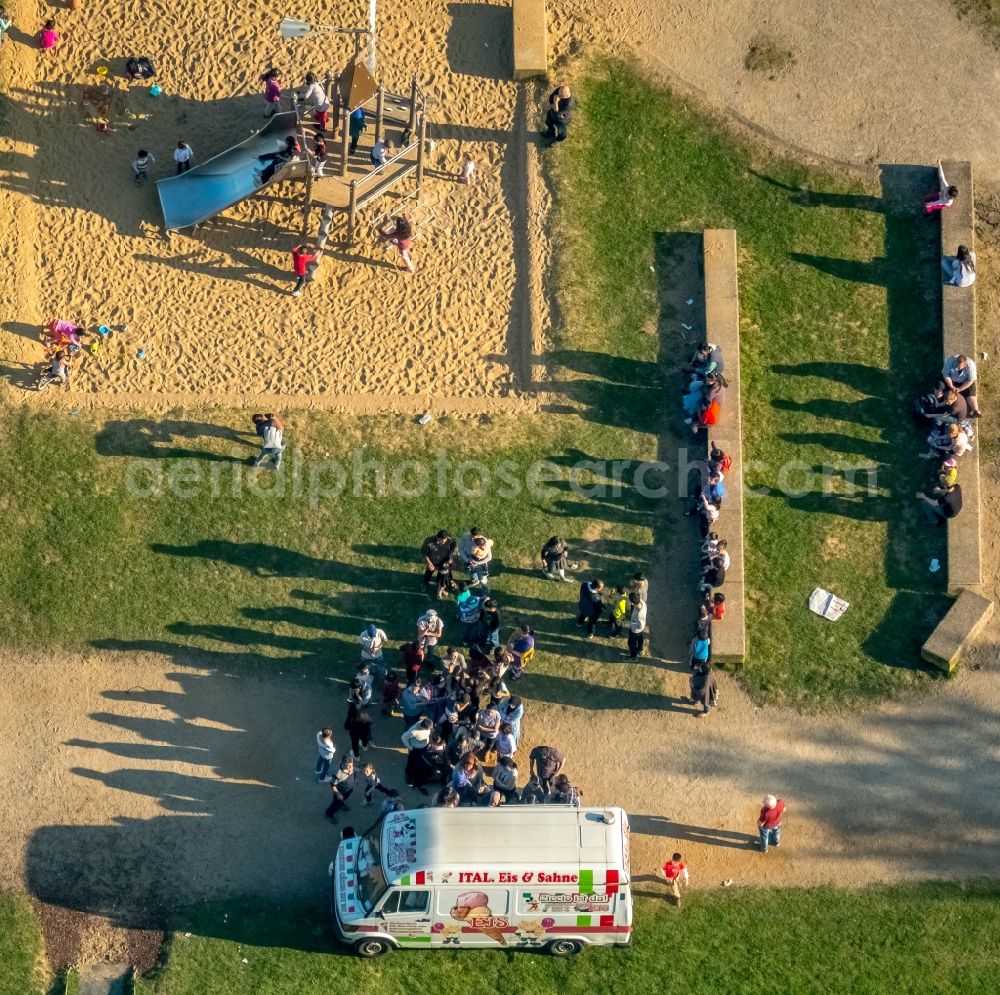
[[346, 183]]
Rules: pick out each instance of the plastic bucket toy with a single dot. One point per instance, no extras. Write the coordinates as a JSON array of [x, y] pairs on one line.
[[155, 90]]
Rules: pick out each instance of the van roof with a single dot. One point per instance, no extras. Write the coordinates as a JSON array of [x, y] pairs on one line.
[[588, 846]]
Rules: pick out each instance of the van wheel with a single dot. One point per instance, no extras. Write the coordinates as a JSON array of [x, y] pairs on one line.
[[371, 948], [564, 948]]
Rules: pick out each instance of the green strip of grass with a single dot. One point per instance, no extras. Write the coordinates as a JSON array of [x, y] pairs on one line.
[[931, 938], [839, 287], [282, 581], [21, 964]]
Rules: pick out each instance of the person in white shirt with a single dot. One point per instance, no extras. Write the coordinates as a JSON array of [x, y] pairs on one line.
[[314, 96], [466, 170], [959, 373], [372, 641], [636, 625], [960, 270], [183, 155], [430, 628], [272, 434], [324, 744], [140, 165]]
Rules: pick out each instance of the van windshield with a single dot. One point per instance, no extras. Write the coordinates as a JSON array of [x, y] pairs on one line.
[[371, 880]]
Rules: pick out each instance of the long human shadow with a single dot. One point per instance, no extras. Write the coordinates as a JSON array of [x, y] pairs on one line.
[[151, 438], [910, 273], [215, 838]]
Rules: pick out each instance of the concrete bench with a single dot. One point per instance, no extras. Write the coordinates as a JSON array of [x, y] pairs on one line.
[[958, 325], [530, 39], [722, 327], [957, 629]]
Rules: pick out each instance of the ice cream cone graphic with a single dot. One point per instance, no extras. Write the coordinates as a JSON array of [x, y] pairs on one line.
[[474, 906]]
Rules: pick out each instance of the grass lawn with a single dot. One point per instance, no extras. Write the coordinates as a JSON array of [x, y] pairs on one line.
[[22, 970], [835, 291], [984, 12], [932, 938], [839, 288]]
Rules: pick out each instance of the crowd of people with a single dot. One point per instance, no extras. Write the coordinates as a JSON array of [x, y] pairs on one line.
[[461, 724], [948, 410], [702, 403]]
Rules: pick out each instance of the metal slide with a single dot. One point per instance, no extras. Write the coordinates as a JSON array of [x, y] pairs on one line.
[[210, 187]]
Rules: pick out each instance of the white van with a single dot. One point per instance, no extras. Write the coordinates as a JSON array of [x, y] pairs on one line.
[[537, 877]]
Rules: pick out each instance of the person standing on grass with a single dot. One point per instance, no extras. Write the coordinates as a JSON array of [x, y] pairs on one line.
[[555, 559], [324, 744], [413, 702], [558, 114], [636, 625], [959, 373], [639, 584], [590, 605], [341, 788], [769, 822], [372, 641], [675, 873], [272, 92], [430, 628], [272, 434], [183, 155], [437, 551]]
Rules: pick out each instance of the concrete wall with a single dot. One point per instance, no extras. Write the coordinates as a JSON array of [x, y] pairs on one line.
[[722, 326], [530, 39]]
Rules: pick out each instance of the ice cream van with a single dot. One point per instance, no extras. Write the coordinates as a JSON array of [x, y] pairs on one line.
[[530, 877]]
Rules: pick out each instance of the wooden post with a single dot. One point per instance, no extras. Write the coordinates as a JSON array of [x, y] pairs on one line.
[[379, 113], [308, 203], [328, 85], [421, 152], [352, 211], [345, 139], [335, 110], [413, 105]]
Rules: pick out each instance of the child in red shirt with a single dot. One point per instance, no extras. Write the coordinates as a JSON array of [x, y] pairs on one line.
[[304, 264], [717, 606], [675, 871]]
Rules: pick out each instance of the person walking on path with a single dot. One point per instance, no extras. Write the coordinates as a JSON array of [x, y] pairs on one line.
[[675, 873], [590, 606], [341, 788], [324, 743], [183, 155], [704, 688], [358, 724], [769, 822], [418, 770], [272, 92], [545, 762], [272, 434], [636, 625]]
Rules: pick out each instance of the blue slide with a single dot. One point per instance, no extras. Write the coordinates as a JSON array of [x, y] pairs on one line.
[[212, 186]]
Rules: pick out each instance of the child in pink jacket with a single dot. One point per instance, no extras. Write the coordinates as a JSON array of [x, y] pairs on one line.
[[47, 37]]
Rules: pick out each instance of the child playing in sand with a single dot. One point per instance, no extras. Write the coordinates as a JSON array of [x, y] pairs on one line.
[[183, 155], [401, 236], [140, 164], [466, 170], [5, 23], [47, 37], [272, 92]]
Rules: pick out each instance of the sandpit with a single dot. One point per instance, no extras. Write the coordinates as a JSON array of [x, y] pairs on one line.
[[211, 308]]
